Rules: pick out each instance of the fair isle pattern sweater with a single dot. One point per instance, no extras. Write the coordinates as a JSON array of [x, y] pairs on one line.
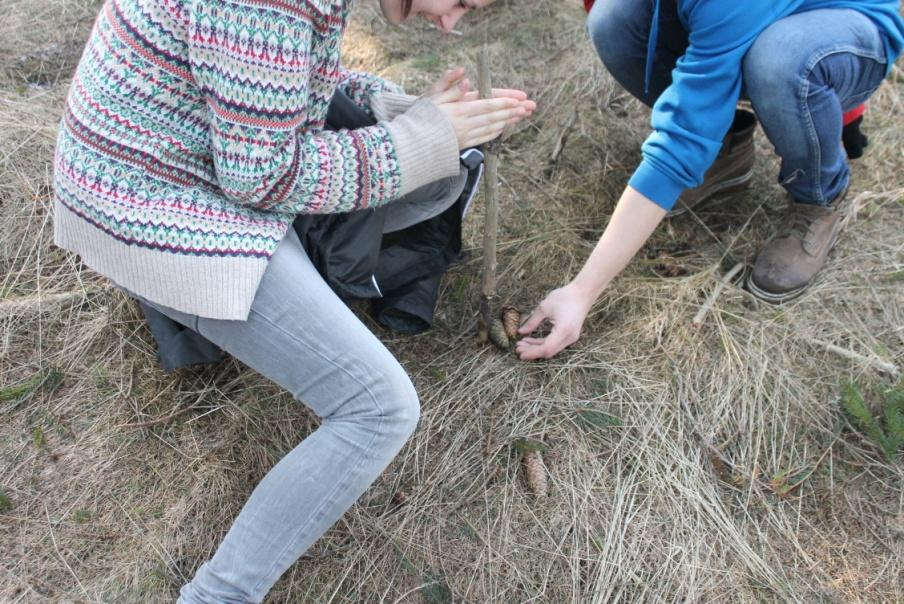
[[193, 134]]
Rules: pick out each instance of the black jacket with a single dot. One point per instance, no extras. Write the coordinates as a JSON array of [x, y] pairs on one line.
[[399, 272]]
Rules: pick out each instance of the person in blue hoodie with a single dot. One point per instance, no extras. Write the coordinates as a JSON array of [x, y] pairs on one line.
[[800, 63]]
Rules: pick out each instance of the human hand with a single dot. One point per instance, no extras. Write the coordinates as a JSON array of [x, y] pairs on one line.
[[565, 308], [477, 120], [456, 76]]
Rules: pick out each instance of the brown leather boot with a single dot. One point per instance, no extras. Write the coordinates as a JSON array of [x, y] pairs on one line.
[[732, 168], [788, 263]]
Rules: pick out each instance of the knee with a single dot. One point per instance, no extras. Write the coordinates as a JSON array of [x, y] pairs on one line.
[[384, 403], [773, 75], [607, 25], [401, 407]]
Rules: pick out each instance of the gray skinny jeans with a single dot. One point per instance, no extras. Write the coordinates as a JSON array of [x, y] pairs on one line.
[[303, 337]]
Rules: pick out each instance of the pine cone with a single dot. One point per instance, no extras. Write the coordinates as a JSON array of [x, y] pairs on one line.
[[498, 336], [511, 320], [536, 473]]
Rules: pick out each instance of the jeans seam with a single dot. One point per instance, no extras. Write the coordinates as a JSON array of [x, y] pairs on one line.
[[805, 107], [816, 151], [317, 512]]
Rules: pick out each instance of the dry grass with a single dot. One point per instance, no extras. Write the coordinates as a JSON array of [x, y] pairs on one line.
[[709, 464]]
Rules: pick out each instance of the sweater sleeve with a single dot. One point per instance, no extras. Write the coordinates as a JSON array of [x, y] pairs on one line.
[[380, 98], [692, 115], [253, 62], [362, 87]]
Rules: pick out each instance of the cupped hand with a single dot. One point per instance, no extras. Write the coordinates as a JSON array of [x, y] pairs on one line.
[[477, 120], [565, 308]]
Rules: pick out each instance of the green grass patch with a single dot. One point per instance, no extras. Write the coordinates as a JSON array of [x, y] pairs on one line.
[[38, 438], [6, 503], [23, 388], [81, 516], [427, 62], [437, 591], [886, 431], [48, 380], [593, 420], [529, 445]]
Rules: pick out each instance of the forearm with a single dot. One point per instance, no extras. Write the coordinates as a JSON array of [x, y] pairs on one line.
[[325, 172], [634, 220]]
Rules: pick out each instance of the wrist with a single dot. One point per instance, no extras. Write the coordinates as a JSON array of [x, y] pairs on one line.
[[585, 291], [388, 105], [425, 143]]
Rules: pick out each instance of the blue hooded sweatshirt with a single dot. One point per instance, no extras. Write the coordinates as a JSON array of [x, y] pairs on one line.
[[694, 113]]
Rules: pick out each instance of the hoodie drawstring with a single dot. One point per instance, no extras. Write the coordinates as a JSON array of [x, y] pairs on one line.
[[651, 48]]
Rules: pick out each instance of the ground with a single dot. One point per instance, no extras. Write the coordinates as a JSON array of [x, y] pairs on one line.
[[710, 463]]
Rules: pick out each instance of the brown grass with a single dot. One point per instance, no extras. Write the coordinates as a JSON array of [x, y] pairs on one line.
[[685, 464]]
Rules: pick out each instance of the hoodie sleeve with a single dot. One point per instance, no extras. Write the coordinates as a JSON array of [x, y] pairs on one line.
[[694, 113], [253, 62]]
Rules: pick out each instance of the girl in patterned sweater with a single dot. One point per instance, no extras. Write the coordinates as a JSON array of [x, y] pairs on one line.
[[193, 134]]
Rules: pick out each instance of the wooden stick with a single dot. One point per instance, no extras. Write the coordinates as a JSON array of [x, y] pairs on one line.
[[492, 208], [872, 361], [698, 318]]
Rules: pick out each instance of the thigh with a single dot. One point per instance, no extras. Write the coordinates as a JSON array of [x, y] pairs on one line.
[[620, 31], [302, 336], [839, 49]]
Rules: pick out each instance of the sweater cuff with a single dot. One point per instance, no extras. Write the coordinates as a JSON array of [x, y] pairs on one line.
[[656, 186], [425, 143], [388, 105]]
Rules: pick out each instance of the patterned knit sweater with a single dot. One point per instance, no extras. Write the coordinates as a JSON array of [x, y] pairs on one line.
[[193, 134]]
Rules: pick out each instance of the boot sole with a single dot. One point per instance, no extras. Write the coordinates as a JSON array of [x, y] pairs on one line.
[[726, 186], [771, 297]]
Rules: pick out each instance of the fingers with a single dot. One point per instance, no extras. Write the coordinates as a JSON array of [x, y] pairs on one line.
[[528, 106], [486, 126], [483, 134], [534, 321], [451, 76], [476, 130], [455, 92], [500, 93], [446, 81], [499, 117], [518, 95], [484, 106], [530, 349]]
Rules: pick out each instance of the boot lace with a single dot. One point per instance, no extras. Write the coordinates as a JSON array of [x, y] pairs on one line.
[[797, 222]]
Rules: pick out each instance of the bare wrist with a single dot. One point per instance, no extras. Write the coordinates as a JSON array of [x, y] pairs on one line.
[[588, 292]]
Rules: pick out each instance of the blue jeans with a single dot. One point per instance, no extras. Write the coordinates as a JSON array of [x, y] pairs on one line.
[[304, 338], [801, 74]]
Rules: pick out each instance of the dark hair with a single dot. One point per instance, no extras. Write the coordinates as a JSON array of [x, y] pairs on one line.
[[406, 8]]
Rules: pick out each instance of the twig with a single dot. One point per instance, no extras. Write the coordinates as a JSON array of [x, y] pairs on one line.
[[492, 209], [165, 419], [560, 143], [707, 306], [41, 303], [162, 420], [488, 446], [872, 361]]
